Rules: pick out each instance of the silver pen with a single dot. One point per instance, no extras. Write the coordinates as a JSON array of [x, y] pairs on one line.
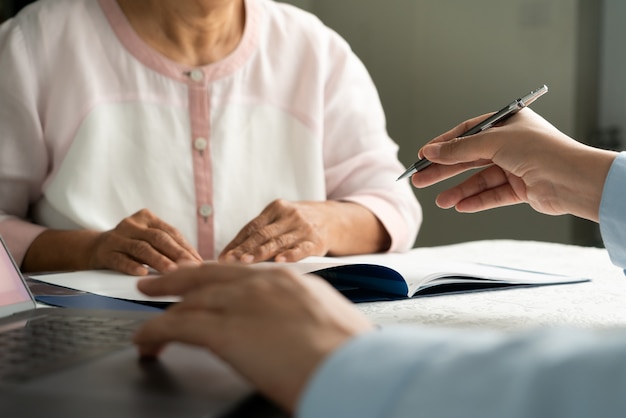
[[499, 116]]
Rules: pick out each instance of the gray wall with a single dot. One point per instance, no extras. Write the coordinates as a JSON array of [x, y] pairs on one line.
[[303, 4], [437, 63], [613, 72]]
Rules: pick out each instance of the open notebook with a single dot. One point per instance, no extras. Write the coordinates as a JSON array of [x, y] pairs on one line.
[[399, 276], [365, 278]]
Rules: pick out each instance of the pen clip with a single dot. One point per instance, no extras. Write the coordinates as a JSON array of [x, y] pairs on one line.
[[532, 96]]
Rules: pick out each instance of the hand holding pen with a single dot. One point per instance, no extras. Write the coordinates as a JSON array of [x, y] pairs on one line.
[[526, 160], [501, 115]]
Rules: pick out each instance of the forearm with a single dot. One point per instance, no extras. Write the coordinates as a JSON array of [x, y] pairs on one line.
[[55, 250], [354, 229]]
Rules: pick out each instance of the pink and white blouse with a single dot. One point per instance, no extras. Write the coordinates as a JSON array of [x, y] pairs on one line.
[[96, 125]]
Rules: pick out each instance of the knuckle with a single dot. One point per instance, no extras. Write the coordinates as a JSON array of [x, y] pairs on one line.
[[281, 207], [307, 230], [140, 215], [266, 250], [279, 203], [122, 263], [144, 213], [452, 145], [262, 235], [124, 224], [283, 241], [253, 227], [157, 237], [135, 220], [498, 198], [140, 249], [305, 249], [481, 183]]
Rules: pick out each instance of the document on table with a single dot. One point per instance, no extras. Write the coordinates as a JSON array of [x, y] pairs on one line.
[[364, 278]]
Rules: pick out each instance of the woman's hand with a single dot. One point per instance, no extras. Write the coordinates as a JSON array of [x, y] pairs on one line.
[[291, 231], [138, 243]]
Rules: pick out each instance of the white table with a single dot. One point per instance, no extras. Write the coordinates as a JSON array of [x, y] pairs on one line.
[[596, 304]]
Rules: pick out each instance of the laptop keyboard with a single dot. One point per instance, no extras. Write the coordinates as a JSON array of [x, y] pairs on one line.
[[48, 343]]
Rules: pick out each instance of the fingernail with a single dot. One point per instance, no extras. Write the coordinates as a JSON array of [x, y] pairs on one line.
[[140, 271], [229, 258], [431, 151], [247, 258], [142, 283]]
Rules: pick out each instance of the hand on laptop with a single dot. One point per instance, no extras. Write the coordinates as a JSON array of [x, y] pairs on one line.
[[142, 240], [273, 326]]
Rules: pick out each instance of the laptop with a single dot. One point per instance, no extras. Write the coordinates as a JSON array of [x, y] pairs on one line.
[[66, 362]]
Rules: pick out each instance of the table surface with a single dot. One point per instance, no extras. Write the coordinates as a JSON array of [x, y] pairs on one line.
[[599, 303]]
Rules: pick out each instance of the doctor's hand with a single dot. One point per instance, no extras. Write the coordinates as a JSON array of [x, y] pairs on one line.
[[273, 326], [290, 231], [141, 240], [525, 160]]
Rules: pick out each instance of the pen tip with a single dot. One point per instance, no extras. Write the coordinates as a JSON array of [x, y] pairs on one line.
[[404, 175], [409, 171]]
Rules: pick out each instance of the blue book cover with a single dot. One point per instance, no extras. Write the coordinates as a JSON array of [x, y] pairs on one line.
[[64, 297]]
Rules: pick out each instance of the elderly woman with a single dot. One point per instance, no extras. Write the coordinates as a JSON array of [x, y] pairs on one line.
[[142, 133]]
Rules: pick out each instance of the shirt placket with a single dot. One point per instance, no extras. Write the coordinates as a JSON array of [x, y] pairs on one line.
[[199, 110]]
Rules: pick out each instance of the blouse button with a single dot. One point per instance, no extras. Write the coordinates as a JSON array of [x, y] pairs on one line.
[[205, 211], [200, 143], [196, 75]]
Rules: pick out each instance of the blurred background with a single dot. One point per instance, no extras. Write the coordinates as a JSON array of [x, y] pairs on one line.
[[437, 63]]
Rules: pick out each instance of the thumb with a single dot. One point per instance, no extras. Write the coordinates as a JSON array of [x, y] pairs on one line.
[[461, 150]]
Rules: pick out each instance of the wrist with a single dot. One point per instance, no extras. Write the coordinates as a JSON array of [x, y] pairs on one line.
[[55, 250], [583, 191], [356, 230]]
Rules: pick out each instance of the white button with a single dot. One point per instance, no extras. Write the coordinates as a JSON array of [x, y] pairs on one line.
[[205, 211], [200, 143], [196, 75]]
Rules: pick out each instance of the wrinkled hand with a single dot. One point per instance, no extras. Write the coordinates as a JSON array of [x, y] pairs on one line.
[[273, 326], [141, 240], [284, 231], [525, 160]]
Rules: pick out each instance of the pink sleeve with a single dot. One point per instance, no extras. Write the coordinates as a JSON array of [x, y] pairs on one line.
[[361, 159], [18, 235], [23, 155]]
